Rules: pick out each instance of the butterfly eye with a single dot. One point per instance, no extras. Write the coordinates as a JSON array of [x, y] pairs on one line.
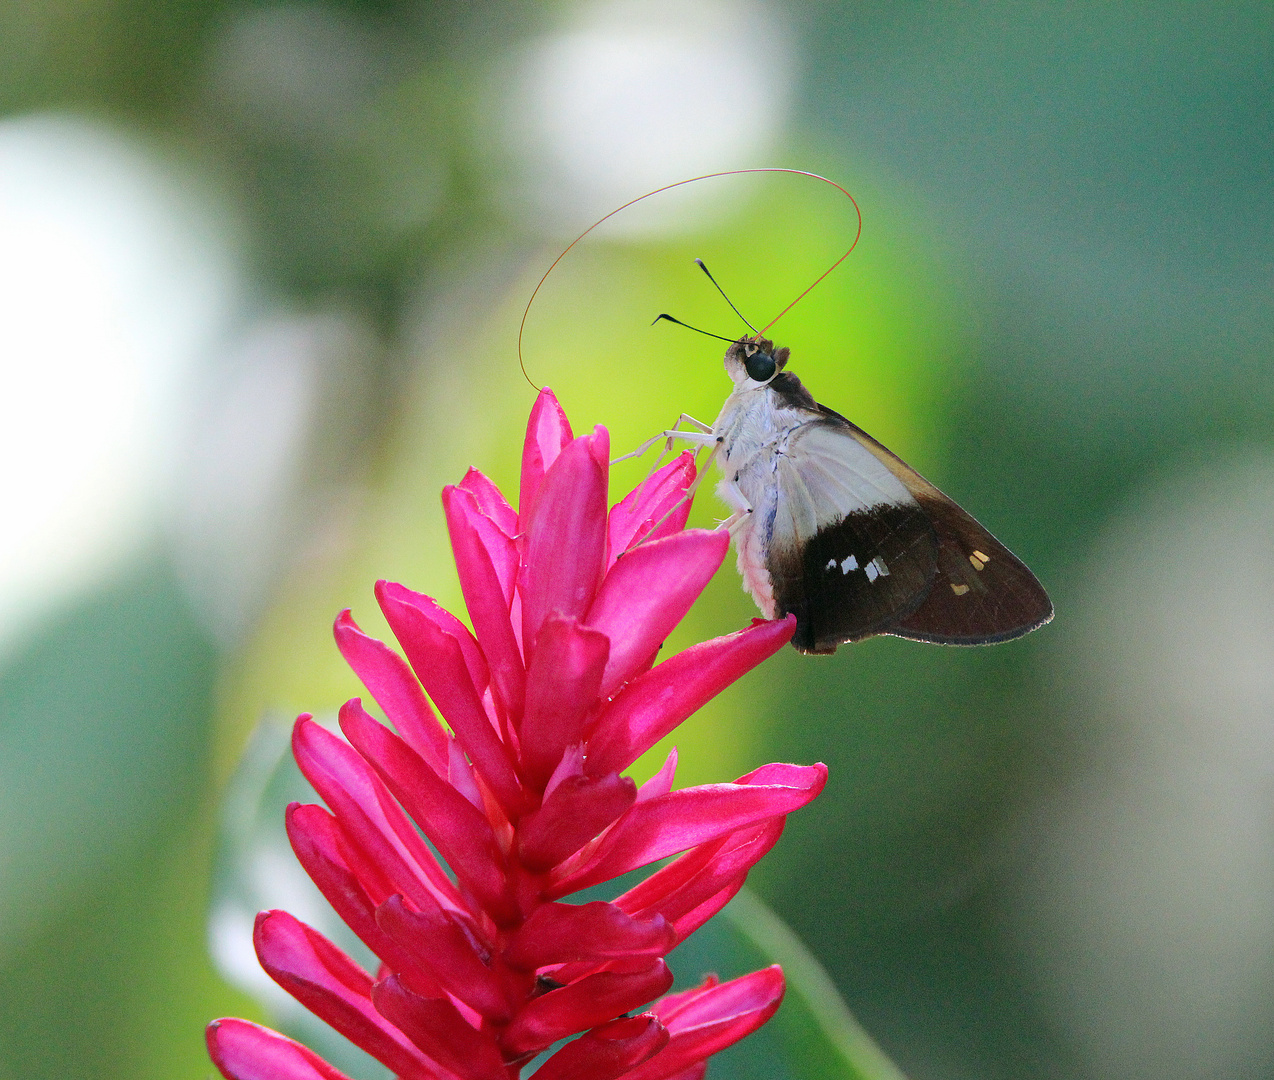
[[760, 366]]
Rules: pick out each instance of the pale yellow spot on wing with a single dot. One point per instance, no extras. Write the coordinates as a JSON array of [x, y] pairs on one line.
[[978, 560], [959, 590]]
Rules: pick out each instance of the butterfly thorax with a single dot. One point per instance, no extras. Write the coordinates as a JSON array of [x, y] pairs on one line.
[[755, 427]]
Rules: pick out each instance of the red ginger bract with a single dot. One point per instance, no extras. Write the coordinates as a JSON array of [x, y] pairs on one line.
[[482, 965]]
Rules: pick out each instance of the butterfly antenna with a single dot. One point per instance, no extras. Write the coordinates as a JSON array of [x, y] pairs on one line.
[[704, 268], [681, 183], [705, 333]]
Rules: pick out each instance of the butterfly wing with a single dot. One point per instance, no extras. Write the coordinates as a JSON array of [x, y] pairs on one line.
[[852, 551], [862, 544], [981, 592]]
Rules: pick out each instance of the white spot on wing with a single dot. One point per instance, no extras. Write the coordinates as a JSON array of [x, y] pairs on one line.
[[872, 572], [831, 563], [880, 566], [850, 563]]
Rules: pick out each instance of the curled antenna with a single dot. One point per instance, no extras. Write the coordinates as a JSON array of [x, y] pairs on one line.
[[706, 333], [704, 267], [681, 183]]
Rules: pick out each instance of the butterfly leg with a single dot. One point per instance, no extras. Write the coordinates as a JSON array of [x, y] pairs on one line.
[[702, 437], [731, 494], [689, 493], [686, 418]]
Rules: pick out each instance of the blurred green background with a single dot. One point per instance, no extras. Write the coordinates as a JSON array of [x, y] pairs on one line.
[[261, 271]]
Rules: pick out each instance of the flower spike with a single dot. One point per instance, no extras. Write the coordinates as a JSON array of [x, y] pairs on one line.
[[452, 851]]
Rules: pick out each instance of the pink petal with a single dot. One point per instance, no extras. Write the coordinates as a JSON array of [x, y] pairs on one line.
[[671, 1004], [437, 655], [370, 817], [491, 502], [547, 434], [586, 1003], [695, 1072], [606, 1052], [569, 973], [426, 607], [559, 933], [653, 704], [561, 689], [460, 776], [671, 823], [487, 562], [334, 988], [692, 920], [569, 768], [647, 592], [437, 1028], [686, 882], [316, 838], [439, 943], [564, 545], [677, 874], [246, 1051], [705, 1021], [661, 782], [656, 507], [459, 831], [714, 1000], [787, 775], [395, 689], [576, 811]]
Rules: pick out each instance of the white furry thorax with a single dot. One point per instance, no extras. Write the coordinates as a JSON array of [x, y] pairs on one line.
[[753, 427]]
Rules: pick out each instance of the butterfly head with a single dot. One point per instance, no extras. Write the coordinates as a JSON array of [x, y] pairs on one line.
[[754, 361]]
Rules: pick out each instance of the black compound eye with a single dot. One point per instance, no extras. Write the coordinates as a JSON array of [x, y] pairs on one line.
[[760, 366]]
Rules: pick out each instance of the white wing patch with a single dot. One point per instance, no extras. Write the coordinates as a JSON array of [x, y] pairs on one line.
[[798, 473], [841, 471], [876, 568], [824, 474]]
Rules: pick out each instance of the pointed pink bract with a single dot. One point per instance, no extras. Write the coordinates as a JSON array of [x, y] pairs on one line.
[[655, 508], [647, 593], [564, 540], [547, 433], [247, 1051]]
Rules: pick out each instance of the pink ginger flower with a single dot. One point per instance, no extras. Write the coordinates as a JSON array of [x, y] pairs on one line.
[[483, 965]]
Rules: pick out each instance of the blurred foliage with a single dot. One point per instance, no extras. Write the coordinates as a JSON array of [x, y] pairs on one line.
[[104, 863], [105, 728], [1063, 287]]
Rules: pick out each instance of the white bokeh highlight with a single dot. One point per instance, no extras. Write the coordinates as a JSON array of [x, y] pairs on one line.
[[641, 93], [111, 289], [248, 500]]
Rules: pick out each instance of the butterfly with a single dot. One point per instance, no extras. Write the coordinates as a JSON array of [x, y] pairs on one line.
[[829, 525], [832, 527]]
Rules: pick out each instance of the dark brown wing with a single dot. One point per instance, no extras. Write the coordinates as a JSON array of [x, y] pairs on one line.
[[981, 592], [857, 577]]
